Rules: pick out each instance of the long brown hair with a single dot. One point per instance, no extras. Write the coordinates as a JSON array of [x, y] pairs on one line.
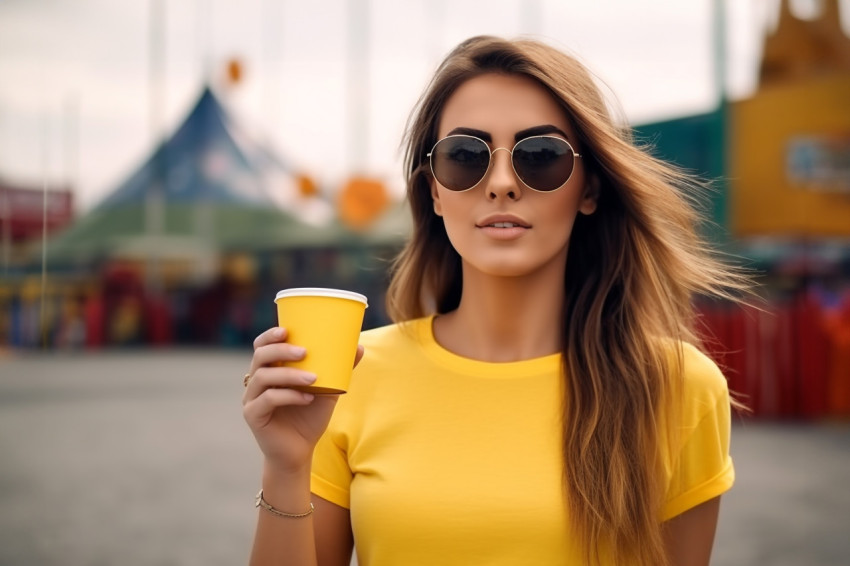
[[633, 268]]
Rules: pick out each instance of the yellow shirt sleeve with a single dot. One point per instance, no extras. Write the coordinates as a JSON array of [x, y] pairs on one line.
[[702, 467], [331, 477]]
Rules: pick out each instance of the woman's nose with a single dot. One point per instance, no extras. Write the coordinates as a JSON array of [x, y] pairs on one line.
[[501, 179]]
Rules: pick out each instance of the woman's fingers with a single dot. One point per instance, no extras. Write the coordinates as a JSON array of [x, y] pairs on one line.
[[275, 334], [260, 409], [274, 353], [279, 377]]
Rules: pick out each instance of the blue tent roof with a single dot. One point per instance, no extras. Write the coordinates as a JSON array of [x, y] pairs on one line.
[[201, 162]]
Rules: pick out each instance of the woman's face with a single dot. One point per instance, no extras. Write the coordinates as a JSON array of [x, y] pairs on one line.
[[501, 227]]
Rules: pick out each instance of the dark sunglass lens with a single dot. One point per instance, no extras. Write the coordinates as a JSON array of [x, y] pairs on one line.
[[543, 163], [460, 162]]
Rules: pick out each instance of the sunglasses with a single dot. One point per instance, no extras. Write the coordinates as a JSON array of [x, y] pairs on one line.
[[542, 163]]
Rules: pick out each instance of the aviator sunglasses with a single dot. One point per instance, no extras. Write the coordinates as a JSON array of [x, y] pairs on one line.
[[543, 163]]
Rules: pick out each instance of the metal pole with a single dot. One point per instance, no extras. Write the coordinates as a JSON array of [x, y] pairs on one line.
[[358, 84], [203, 16], [720, 127], [155, 194], [273, 19], [5, 208], [43, 305], [72, 153], [7, 230], [719, 21]]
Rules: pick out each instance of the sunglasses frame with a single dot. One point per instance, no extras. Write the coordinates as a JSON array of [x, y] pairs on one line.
[[430, 157]]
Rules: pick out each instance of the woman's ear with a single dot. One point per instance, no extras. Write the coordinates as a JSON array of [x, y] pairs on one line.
[[588, 203], [435, 197]]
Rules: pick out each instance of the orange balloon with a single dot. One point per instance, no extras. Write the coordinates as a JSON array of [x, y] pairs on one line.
[[306, 186], [361, 201], [234, 71]]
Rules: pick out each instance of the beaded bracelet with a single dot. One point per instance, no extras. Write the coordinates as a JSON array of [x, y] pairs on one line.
[[260, 502]]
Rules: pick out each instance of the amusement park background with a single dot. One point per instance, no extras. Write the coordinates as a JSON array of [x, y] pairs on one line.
[[156, 191]]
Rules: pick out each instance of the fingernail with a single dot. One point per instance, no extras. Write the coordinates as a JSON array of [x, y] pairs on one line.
[[309, 378], [308, 397], [299, 350], [278, 332]]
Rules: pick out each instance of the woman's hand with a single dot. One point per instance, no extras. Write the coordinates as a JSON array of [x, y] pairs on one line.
[[287, 423]]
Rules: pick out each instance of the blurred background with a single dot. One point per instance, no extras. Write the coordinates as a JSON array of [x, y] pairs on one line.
[[166, 167]]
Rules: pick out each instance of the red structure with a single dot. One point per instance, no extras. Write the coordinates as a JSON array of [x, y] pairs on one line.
[[22, 211], [786, 359]]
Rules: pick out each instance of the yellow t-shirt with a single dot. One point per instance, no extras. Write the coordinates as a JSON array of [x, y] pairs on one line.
[[451, 461]]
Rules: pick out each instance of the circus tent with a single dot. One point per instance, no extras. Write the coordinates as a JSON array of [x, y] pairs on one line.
[[208, 188]]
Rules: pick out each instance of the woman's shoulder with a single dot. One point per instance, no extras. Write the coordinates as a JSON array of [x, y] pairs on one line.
[[386, 346], [701, 379], [389, 351], [699, 368]]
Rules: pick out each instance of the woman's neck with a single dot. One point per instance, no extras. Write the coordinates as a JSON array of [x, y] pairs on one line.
[[505, 319]]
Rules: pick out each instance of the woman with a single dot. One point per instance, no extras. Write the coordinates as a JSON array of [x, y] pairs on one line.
[[539, 400]]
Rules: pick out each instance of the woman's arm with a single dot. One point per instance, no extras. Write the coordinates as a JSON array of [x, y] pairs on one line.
[[689, 537], [287, 424], [323, 538], [334, 539], [285, 541]]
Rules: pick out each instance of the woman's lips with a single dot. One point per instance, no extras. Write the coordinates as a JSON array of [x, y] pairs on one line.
[[503, 221], [503, 230]]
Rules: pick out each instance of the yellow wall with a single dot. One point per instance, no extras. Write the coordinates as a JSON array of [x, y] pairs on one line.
[[763, 199]]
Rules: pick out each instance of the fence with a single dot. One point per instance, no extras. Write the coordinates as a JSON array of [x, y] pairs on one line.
[[787, 359]]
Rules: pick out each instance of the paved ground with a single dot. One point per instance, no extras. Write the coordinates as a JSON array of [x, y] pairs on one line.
[[142, 458]]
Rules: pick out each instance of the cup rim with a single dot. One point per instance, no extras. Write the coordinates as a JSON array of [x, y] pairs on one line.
[[321, 292]]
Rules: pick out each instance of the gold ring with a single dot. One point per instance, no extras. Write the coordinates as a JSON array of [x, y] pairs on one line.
[[246, 379]]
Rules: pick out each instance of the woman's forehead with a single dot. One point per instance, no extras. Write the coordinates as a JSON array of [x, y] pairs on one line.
[[501, 105]]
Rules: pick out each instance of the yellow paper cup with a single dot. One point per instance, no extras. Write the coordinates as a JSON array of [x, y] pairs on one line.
[[327, 323]]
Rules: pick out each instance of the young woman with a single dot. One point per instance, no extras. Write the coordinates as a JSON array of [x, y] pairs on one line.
[[540, 399]]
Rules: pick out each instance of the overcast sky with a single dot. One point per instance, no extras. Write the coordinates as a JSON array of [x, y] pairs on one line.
[[80, 70]]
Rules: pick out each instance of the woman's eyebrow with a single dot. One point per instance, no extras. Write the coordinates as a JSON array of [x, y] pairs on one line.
[[472, 132], [540, 131], [521, 135]]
